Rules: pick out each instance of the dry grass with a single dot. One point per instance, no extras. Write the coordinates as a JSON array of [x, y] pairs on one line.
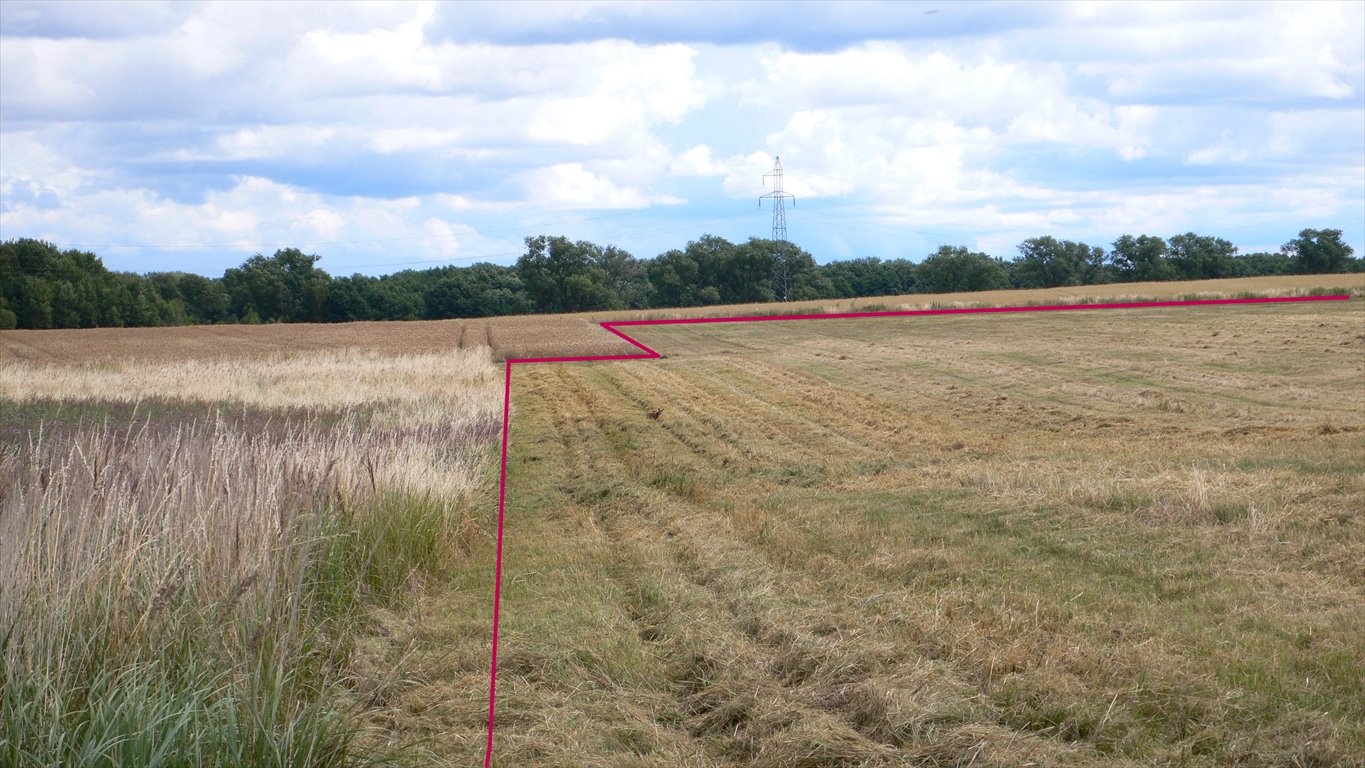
[[1286, 285], [456, 384], [189, 550], [207, 513], [527, 336], [1126, 538]]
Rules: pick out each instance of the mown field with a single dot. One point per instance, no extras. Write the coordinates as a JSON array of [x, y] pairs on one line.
[[1127, 537]]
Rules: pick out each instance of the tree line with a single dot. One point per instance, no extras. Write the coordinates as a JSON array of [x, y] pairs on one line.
[[42, 286]]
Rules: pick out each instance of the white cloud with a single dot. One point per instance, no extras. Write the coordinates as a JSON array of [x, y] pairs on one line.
[[320, 224], [390, 140], [269, 141], [372, 60], [571, 186], [697, 161], [976, 88], [635, 88], [1221, 153], [254, 215], [444, 237]]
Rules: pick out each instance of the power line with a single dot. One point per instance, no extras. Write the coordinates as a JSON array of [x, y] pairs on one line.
[[367, 241], [627, 237], [623, 238]]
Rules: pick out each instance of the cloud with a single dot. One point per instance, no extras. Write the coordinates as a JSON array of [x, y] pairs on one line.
[[15, 193], [795, 25], [253, 215], [697, 161], [447, 129], [90, 20], [571, 186]]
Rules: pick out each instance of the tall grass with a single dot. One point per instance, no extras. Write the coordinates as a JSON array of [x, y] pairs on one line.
[[189, 593]]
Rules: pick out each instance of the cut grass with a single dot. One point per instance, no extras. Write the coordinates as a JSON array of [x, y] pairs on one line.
[[887, 541]]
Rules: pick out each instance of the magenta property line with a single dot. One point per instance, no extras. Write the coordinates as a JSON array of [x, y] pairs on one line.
[[650, 354]]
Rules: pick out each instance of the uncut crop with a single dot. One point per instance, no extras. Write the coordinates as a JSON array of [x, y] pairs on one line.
[[182, 582]]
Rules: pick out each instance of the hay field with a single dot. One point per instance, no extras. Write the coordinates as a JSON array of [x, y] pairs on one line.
[[1111, 538]]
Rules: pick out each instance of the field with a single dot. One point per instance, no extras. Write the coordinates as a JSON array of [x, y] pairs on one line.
[[552, 335], [1125, 537]]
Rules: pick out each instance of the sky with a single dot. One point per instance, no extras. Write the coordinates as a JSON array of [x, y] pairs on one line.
[[189, 136]]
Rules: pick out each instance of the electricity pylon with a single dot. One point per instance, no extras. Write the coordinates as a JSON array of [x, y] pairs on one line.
[[778, 196], [782, 277]]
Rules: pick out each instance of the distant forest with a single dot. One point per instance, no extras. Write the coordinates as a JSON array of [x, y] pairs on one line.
[[42, 286]]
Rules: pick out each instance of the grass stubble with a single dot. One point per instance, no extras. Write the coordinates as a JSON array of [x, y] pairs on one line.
[[1119, 539], [1122, 538]]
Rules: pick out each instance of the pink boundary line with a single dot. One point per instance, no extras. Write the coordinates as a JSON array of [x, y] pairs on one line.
[[650, 354]]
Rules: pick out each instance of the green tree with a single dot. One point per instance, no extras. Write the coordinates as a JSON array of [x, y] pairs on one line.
[[870, 276], [286, 287], [674, 280], [771, 270], [205, 299], [563, 276], [1141, 259], [37, 283], [65, 306], [695, 274], [1046, 262], [955, 268], [346, 299], [748, 273], [33, 304], [1199, 257], [1318, 251], [1258, 264], [477, 291], [391, 298], [624, 275], [8, 320], [710, 252]]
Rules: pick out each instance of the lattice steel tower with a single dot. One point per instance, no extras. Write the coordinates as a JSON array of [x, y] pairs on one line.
[[778, 197]]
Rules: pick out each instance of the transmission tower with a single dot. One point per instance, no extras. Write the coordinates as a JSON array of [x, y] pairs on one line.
[[778, 197], [782, 272]]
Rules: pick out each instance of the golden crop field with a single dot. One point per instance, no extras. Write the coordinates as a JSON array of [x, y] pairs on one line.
[[507, 336], [1111, 537]]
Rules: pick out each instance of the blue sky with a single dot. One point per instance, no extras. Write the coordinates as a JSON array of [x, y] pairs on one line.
[[388, 136]]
